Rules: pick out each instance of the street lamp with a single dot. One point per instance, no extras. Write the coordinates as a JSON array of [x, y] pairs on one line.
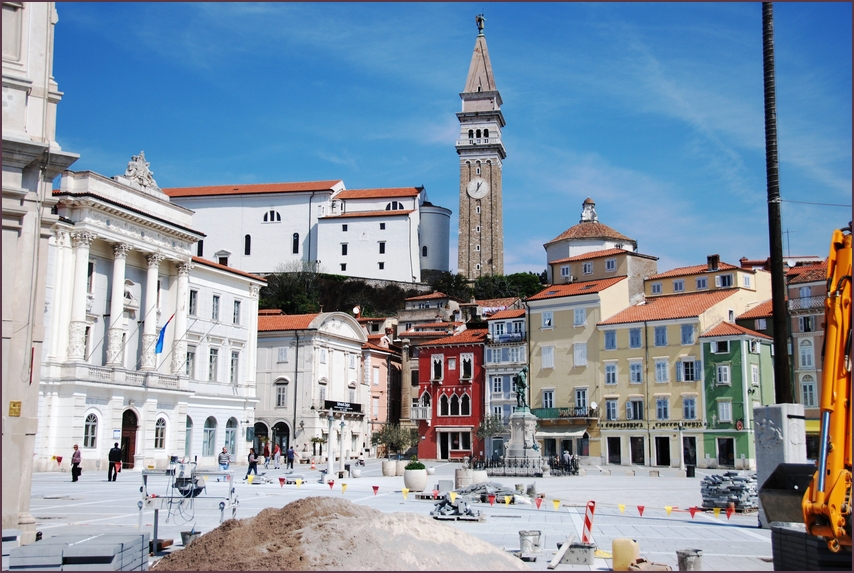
[[341, 454], [681, 448], [329, 447]]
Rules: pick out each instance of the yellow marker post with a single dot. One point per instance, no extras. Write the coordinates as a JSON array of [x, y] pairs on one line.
[[405, 492], [343, 487], [668, 509], [622, 507], [453, 496], [250, 478], [299, 482], [506, 500], [556, 503], [717, 512], [205, 478]]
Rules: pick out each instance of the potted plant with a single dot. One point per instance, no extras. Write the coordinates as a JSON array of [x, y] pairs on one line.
[[415, 476], [394, 439]]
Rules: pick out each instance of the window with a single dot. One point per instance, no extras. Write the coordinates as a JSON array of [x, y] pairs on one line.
[[662, 408], [498, 328], [731, 315], [382, 226], [90, 277], [548, 320], [808, 391], [352, 361], [477, 247], [322, 394], [190, 364], [212, 364], [634, 410], [610, 409], [247, 245], [344, 228], [424, 251], [722, 377], [725, 411], [477, 209], [231, 436], [467, 363], [548, 398], [610, 340], [805, 323], [343, 266], [587, 268], [806, 353], [382, 247], [497, 384], [497, 411], [235, 360], [352, 395], [394, 206], [689, 408], [381, 266], [760, 324], [343, 249], [200, 249], [610, 265], [754, 374], [610, 373], [720, 347], [444, 409], [375, 407], [655, 288], [580, 354], [687, 334], [209, 437], [548, 356], [634, 338], [223, 261], [581, 398], [90, 431], [193, 306], [564, 271], [455, 405], [376, 375], [323, 356], [477, 229], [635, 373], [215, 308], [687, 370], [465, 405], [438, 364], [804, 292], [188, 437], [272, 216], [452, 363], [746, 280], [661, 370], [702, 283], [236, 315], [661, 336], [282, 394], [723, 281], [295, 246], [679, 286], [579, 317], [160, 434]]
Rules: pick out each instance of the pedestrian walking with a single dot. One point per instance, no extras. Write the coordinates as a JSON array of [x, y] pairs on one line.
[[224, 460], [253, 463], [266, 455], [291, 455], [76, 458], [277, 456], [115, 462]]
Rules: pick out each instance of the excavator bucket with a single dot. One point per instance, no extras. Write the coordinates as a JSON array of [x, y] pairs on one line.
[[783, 492]]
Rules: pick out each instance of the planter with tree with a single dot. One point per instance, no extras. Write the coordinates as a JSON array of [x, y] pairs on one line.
[[395, 439]]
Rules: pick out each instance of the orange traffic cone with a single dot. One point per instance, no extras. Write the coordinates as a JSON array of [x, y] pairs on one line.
[[312, 464]]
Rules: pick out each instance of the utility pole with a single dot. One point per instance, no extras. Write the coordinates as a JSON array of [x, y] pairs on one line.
[[782, 382]]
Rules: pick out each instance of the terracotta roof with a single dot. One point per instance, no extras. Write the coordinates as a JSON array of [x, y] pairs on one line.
[[384, 213], [808, 274], [590, 230], [417, 333], [598, 254], [761, 310], [208, 263], [575, 289], [376, 348], [429, 296], [285, 322], [693, 270], [730, 329], [252, 188], [270, 312], [429, 324], [379, 193], [494, 302], [512, 313], [371, 318], [671, 306], [464, 337]]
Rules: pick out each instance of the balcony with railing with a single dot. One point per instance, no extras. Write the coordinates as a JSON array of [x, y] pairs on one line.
[[806, 303], [124, 377], [420, 413], [565, 413]]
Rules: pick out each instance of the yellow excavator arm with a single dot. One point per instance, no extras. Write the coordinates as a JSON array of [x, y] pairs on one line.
[[827, 501]]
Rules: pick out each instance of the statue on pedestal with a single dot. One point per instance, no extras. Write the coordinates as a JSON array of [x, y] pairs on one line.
[[520, 384]]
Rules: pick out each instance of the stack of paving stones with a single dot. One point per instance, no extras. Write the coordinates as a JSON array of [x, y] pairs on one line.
[[795, 550], [459, 509], [11, 540], [740, 490], [482, 491], [82, 552]]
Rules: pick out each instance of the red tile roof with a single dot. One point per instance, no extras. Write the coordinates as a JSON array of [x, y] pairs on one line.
[[693, 270], [376, 348], [761, 310], [208, 263], [496, 302], [808, 274], [431, 324], [379, 193], [512, 313], [268, 323], [370, 214], [671, 307], [252, 188], [590, 230], [429, 296], [575, 289], [599, 254], [464, 337], [424, 333], [730, 329]]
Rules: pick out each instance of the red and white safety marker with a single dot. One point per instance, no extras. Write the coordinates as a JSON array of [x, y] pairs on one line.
[[588, 522]]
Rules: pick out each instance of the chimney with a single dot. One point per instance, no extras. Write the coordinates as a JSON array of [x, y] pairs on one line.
[[714, 261]]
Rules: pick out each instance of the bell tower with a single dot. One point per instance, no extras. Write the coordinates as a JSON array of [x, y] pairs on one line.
[[481, 152]]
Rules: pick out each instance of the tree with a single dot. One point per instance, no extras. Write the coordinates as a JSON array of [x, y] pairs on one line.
[[491, 426], [453, 284], [395, 438], [501, 286], [292, 288]]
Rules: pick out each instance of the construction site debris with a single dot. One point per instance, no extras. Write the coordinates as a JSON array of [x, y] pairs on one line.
[[731, 487]]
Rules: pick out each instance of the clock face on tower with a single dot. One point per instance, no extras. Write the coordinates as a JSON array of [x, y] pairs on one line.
[[478, 188]]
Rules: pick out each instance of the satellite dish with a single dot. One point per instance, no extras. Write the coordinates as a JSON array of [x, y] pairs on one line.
[[593, 405], [791, 263], [356, 310]]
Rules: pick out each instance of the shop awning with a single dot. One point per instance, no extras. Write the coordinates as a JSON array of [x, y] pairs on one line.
[[559, 433], [812, 426]]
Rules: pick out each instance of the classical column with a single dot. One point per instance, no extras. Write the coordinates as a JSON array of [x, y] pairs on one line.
[[77, 327], [117, 305], [252, 343], [149, 328], [179, 344]]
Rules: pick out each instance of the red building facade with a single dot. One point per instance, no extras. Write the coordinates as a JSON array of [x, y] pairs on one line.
[[450, 396]]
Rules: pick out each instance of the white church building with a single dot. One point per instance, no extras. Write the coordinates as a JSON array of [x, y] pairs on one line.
[[390, 234]]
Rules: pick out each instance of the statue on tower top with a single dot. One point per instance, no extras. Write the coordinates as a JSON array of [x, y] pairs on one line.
[[138, 171], [480, 20], [588, 213]]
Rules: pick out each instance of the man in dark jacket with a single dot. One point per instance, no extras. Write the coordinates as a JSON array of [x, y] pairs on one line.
[[115, 458]]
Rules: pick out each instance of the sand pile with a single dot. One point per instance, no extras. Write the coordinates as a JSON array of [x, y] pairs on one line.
[[322, 533]]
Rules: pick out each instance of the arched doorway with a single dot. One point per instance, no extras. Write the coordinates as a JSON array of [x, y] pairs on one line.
[[129, 426], [281, 436], [261, 435]]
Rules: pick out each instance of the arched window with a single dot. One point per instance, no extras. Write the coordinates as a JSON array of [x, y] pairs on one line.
[[272, 216], [231, 435], [443, 405], [455, 405], [281, 386], [424, 251], [90, 431], [465, 406], [160, 434], [425, 399], [209, 437], [807, 354], [247, 244], [478, 133], [394, 206], [188, 437], [296, 244], [486, 133], [471, 134]]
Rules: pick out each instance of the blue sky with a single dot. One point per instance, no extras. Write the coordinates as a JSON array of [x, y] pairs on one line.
[[653, 110]]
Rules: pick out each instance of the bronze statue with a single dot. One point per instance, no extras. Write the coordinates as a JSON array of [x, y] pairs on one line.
[[520, 383], [480, 20]]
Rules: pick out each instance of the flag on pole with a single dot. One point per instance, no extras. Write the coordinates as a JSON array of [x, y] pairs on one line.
[[159, 348]]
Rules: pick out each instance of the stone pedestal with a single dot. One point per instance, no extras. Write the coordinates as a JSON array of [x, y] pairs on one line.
[[523, 425], [780, 438]]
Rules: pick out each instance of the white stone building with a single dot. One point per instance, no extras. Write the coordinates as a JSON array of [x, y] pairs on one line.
[[387, 234], [306, 361], [120, 270]]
